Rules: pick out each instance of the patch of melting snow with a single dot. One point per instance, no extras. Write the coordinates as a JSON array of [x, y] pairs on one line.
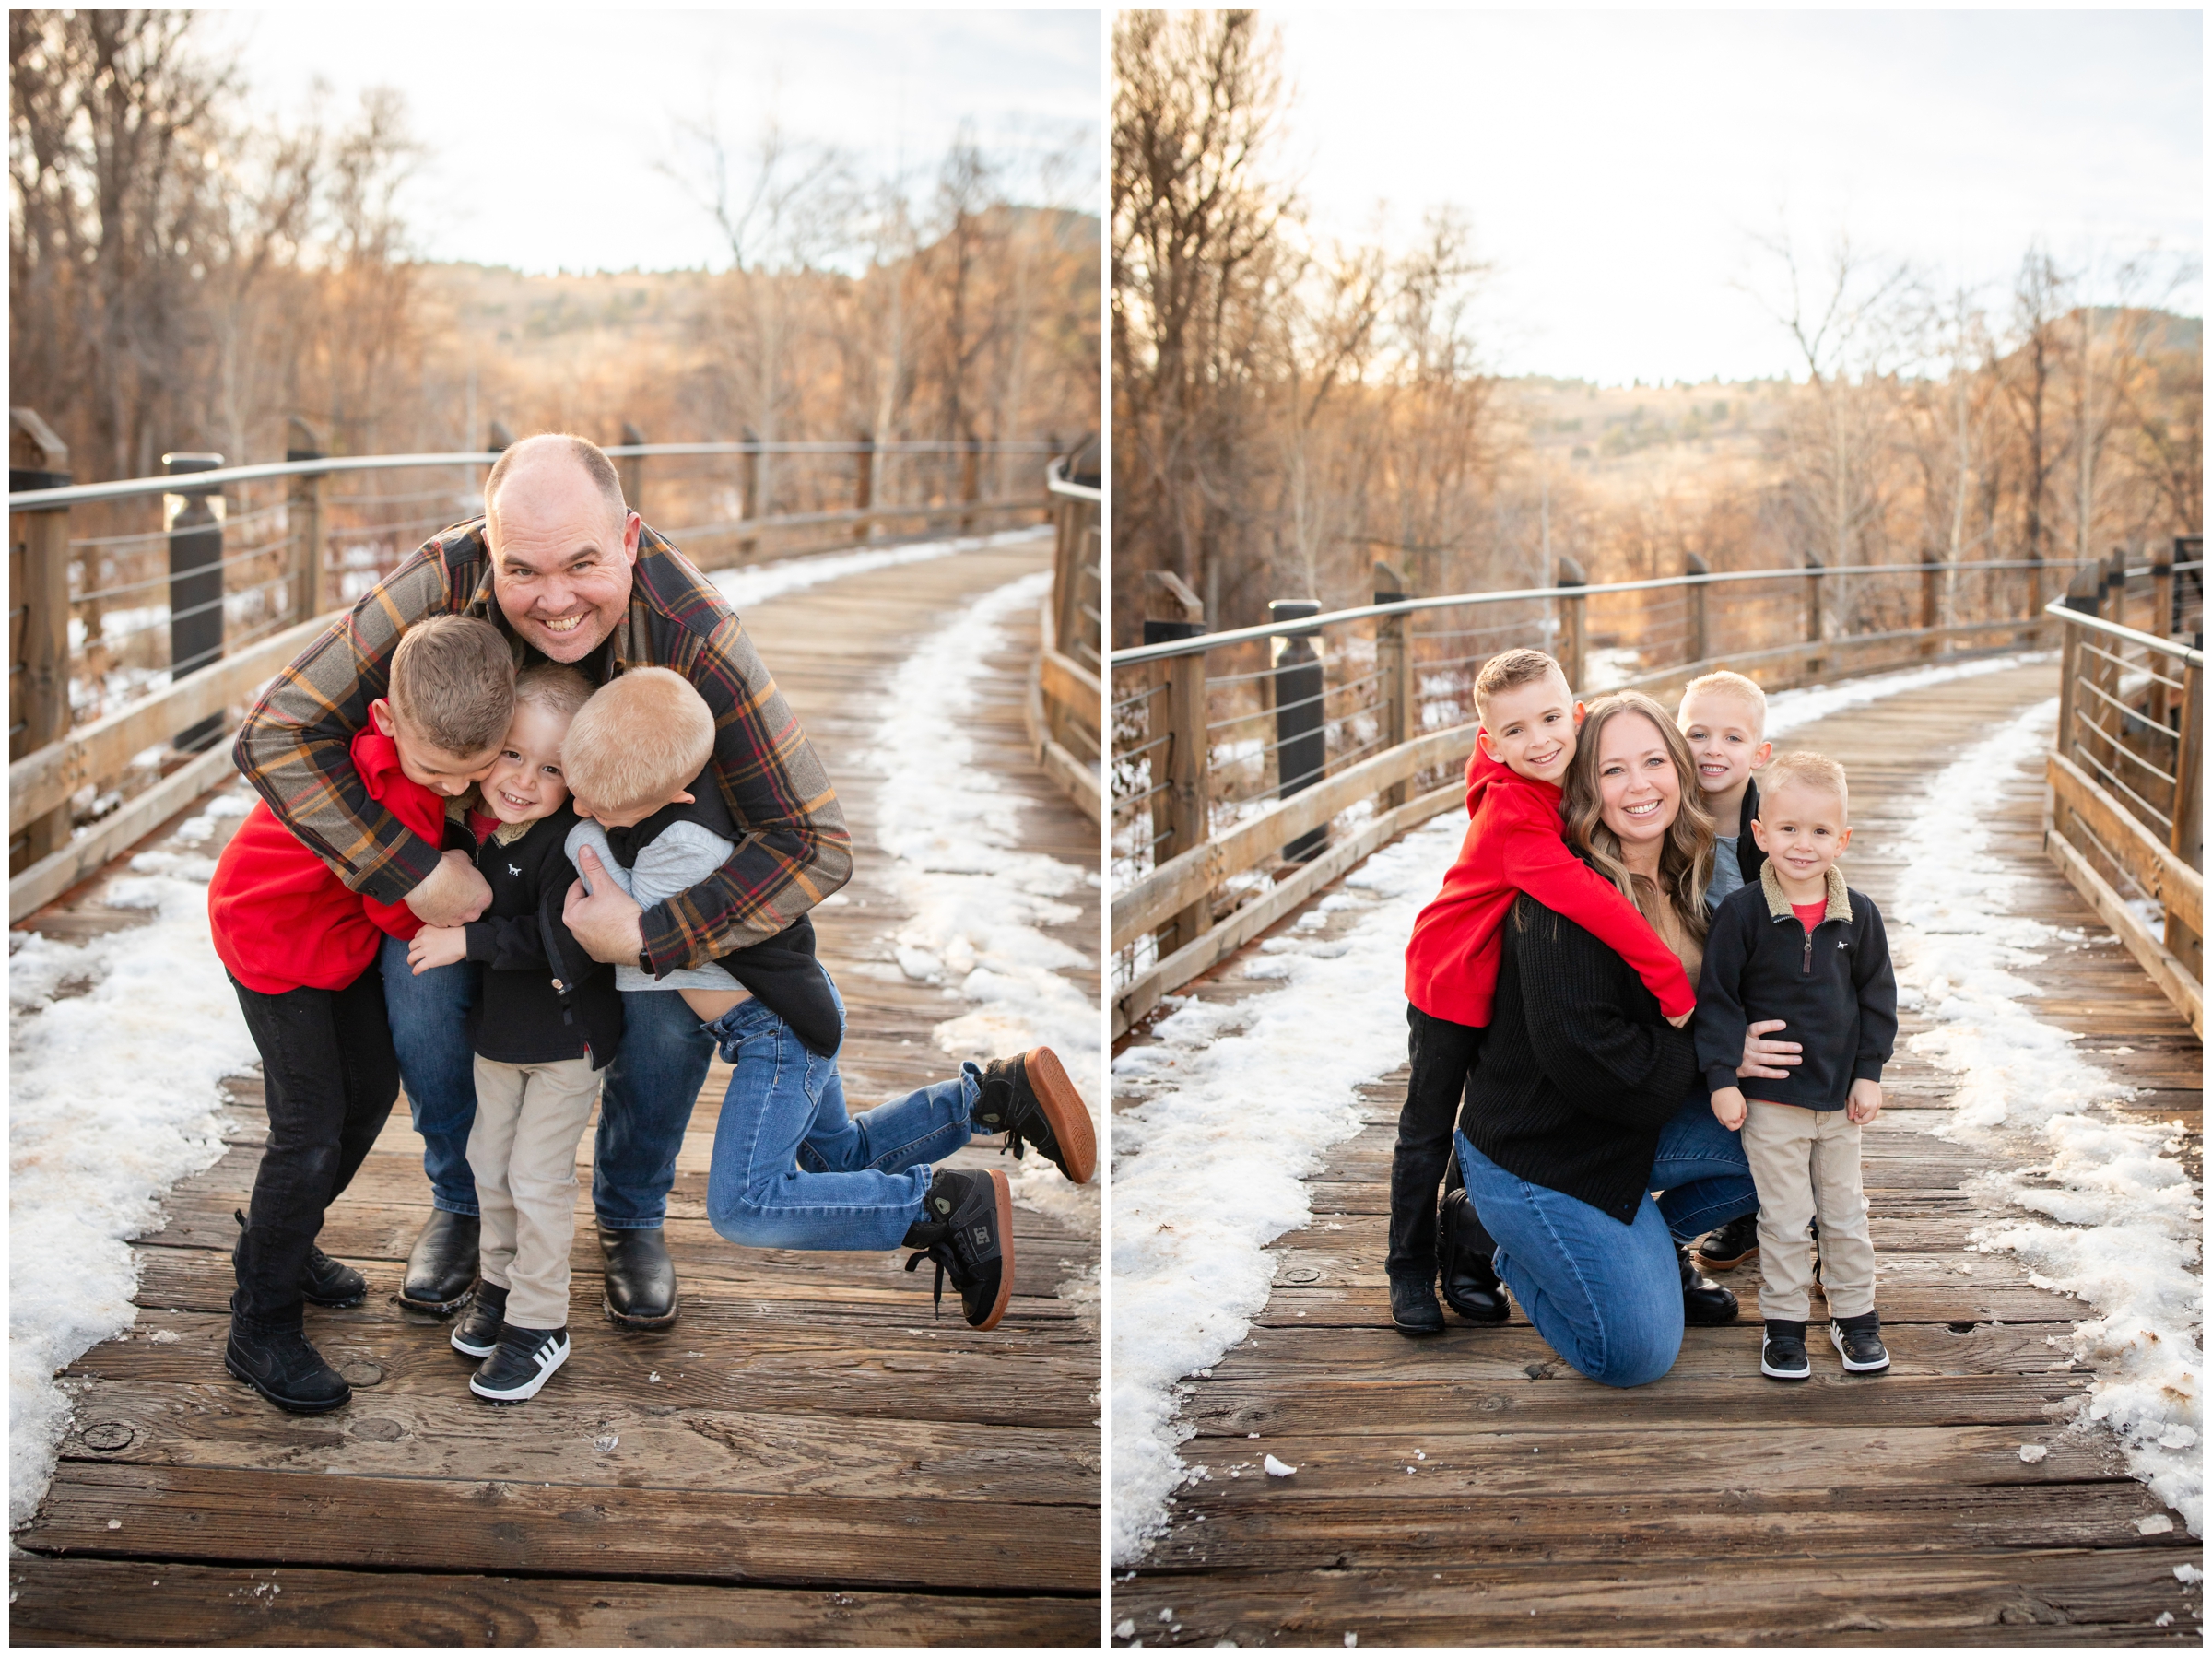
[[755, 583], [979, 903], [2118, 1220], [113, 1096]]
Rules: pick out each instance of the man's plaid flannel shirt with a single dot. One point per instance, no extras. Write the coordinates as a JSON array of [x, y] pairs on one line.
[[795, 850]]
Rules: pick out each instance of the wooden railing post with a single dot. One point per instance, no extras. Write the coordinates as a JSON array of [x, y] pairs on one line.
[[38, 691], [498, 440], [196, 590], [1394, 678], [863, 486], [304, 513], [748, 489], [971, 473], [2113, 606], [1931, 602], [1572, 651], [2187, 840], [1694, 596], [1178, 809], [1814, 570], [633, 469], [2069, 664], [1301, 737]]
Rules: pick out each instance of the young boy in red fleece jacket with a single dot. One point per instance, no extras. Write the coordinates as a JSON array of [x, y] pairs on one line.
[[301, 949], [1514, 843]]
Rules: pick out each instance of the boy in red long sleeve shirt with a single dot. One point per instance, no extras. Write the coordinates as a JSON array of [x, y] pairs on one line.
[[302, 951], [1514, 843]]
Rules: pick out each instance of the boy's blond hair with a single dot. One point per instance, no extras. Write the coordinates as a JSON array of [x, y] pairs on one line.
[[453, 684], [1725, 683], [559, 690], [1510, 668], [1802, 770], [638, 741]]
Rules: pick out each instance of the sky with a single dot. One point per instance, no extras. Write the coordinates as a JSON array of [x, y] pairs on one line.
[[1616, 165], [532, 116]]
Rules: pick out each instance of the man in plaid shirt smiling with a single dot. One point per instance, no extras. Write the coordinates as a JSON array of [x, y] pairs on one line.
[[570, 575]]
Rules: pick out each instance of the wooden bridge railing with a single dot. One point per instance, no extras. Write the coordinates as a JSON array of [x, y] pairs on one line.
[[1065, 695], [147, 612], [2125, 817], [1249, 769]]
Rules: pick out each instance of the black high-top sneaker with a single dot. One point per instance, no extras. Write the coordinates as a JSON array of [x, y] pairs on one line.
[[324, 1281], [478, 1333], [968, 1229], [1463, 1249], [1782, 1353], [273, 1356], [1028, 1098], [1859, 1340], [1704, 1303], [1413, 1308], [520, 1364], [1728, 1247]]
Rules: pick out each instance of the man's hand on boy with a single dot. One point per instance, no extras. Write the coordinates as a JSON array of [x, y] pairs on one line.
[[437, 947], [1728, 1106], [455, 893], [1866, 1101], [1759, 1053], [606, 922]]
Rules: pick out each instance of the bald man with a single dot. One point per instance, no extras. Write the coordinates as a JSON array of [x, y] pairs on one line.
[[562, 567]]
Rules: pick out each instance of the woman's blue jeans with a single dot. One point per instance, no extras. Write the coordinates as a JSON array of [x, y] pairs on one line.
[[1608, 1297], [793, 1169]]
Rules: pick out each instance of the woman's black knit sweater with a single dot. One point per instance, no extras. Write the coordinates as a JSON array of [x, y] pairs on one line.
[[1580, 1071]]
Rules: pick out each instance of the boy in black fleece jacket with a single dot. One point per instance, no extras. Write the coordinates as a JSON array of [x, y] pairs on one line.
[[546, 1022], [1801, 946]]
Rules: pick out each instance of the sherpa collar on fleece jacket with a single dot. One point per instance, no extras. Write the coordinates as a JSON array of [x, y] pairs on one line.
[[1779, 906]]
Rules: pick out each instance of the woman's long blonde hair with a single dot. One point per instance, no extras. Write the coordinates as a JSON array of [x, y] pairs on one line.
[[1685, 856]]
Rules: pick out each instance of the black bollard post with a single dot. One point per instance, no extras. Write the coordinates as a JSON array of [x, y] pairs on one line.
[[196, 590], [1301, 744]]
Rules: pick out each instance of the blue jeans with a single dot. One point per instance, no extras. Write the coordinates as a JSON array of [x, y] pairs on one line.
[[793, 1169], [1607, 1297], [644, 1105], [436, 1065]]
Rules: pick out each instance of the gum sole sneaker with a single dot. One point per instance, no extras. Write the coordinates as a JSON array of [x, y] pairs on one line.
[[1030, 1098], [521, 1364], [1860, 1343], [1725, 1249], [968, 1229], [1782, 1354]]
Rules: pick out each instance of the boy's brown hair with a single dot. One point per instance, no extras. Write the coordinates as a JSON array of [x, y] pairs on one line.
[[453, 684], [1510, 668], [639, 740], [1725, 683], [1803, 771], [559, 690]]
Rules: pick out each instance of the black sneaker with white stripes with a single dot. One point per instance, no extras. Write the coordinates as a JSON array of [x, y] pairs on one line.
[[478, 1333], [1859, 1340], [520, 1364], [1782, 1351]]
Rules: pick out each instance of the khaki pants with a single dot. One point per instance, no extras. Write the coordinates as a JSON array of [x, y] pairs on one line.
[[522, 1152], [1806, 1163]]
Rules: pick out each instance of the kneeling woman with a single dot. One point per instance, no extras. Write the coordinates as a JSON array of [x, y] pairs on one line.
[[1586, 1098]]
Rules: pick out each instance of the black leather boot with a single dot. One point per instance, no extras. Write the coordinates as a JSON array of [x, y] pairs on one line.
[[442, 1266], [272, 1356], [1472, 1287], [640, 1278], [1704, 1302], [322, 1281]]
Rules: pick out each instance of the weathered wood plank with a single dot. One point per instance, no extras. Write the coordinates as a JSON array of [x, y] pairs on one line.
[[88, 1602]]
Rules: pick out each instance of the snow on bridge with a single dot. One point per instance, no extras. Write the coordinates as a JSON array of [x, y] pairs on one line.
[[2031, 1459]]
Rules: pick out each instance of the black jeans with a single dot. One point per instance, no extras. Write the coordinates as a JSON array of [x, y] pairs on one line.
[[330, 1077], [1442, 1055]]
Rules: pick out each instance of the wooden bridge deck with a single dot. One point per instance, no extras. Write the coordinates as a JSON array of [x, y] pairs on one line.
[[807, 1457], [1713, 1507]]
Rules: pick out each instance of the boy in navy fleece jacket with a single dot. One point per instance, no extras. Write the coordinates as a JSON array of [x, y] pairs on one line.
[[1802, 947]]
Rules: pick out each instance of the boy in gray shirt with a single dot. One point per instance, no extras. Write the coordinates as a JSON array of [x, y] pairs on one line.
[[791, 1168]]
